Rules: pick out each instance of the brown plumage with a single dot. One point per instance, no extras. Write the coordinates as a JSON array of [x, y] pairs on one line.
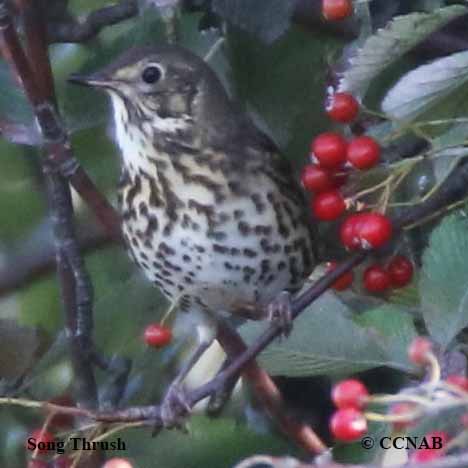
[[210, 210]]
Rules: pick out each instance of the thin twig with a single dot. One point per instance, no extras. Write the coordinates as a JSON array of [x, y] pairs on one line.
[[88, 26], [269, 395]]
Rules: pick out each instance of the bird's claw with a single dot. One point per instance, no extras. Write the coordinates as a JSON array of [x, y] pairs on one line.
[[175, 407], [279, 311]]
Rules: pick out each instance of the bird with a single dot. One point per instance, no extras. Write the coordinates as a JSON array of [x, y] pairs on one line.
[[210, 209]]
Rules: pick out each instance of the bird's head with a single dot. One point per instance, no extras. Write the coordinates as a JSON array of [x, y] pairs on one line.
[[167, 82]]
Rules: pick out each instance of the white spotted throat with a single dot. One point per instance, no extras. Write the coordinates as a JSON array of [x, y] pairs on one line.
[[210, 210]]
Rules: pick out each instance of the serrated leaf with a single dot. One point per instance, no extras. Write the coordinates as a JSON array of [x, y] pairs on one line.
[[326, 341], [268, 24], [390, 44], [444, 280], [427, 86]]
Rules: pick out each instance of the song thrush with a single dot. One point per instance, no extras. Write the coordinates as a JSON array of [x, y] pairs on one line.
[[210, 210]]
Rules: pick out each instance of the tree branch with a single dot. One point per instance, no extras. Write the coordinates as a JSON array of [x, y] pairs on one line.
[[269, 395], [34, 71], [56, 141], [88, 26]]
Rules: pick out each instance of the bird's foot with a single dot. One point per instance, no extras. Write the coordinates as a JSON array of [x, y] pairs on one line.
[[279, 311], [175, 407]]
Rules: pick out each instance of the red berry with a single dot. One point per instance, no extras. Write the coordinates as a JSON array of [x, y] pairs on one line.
[[401, 271], [350, 393], [335, 10], [419, 350], [436, 441], [374, 230], [41, 439], [459, 381], [157, 336], [363, 152], [348, 231], [376, 279], [117, 463], [342, 107], [330, 150], [425, 455], [348, 424], [366, 231], [328, 206], [317, 179], [344, 281]]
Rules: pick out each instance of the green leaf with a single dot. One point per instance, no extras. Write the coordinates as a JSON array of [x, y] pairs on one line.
[[395, 327], [427, 86], [455, 135], [216, 443], [445, 161], [390, 44], [444, 280], [287, 103], [325, 340], [268, 24]]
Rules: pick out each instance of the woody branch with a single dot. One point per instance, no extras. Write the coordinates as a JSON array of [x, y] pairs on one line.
[[61, 165], [454, 189]]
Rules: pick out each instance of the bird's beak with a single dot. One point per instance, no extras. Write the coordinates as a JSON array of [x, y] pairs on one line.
[[95, 80]]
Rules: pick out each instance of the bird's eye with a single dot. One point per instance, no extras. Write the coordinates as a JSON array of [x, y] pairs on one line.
[[151, 74]]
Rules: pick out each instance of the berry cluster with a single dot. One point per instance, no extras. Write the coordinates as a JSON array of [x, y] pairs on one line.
[[376, 278], [406, 409], [397, 274], [331, 156]]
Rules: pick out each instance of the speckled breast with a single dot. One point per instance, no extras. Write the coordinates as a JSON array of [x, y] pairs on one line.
[[246, 247]]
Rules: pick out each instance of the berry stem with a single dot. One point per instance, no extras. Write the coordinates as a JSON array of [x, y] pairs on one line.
[[392, 418], [400, 398], [434, 369]]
